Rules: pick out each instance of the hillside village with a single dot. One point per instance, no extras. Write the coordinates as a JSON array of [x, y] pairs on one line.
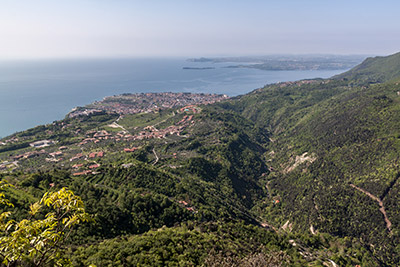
[[81, 156], [311, 164]]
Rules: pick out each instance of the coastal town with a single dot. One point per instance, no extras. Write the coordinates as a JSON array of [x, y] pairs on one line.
[[146, 102]]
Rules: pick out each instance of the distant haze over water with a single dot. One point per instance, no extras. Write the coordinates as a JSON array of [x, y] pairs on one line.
[[40, 92]]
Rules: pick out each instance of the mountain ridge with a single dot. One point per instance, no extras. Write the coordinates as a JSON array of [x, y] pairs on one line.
[[295, 161], [375, 69]]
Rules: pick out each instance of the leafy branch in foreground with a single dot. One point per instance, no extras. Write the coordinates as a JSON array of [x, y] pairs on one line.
[[36, 241]]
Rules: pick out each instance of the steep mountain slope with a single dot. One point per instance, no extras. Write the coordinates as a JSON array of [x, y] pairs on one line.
[[299, 173], [377, 69], [210, 169], [334, 154]]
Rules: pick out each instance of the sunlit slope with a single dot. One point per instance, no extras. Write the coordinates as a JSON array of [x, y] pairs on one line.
[[376, 69], [334, 151]]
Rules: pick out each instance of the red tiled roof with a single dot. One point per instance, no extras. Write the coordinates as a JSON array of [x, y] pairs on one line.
[[94, 166], [130, 149]]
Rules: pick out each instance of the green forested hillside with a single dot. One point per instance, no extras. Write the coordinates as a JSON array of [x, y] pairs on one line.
[[327, 137], [296, 173], [376, 70]]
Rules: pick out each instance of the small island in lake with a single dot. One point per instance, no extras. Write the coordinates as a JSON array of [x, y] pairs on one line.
[[196, 68]]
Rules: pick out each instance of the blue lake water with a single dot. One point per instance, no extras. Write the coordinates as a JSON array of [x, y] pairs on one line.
[[40, 92]]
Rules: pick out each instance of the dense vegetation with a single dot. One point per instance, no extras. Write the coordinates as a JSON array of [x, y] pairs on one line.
[[297, 173], [374, 70]]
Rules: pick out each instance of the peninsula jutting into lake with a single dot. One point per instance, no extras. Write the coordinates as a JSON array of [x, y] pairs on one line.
[[200, 133], [147, 102], [288, 62], [205, 171], [29, 90]]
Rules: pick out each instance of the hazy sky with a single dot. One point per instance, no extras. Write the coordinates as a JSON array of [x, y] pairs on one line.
[[117, 28]]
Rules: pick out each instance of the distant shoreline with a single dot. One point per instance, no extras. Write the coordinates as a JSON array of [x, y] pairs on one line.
[[61, 85], [288, 62], [196, 68]]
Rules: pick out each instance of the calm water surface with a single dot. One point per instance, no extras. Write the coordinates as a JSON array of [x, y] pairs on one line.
[[39, 92]]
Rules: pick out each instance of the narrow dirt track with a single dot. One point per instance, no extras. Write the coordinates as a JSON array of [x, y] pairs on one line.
[[381, 207]]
